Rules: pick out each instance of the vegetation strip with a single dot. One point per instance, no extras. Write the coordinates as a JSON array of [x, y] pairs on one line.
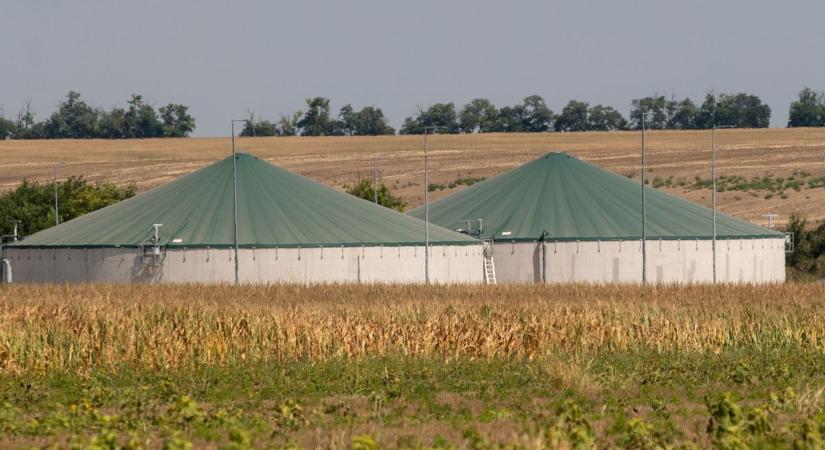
[[412, 366]]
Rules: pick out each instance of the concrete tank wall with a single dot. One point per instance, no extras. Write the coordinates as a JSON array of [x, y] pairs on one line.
[[448, 264], [669, 261]]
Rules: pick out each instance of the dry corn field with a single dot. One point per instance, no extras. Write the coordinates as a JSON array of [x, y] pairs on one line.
[[85, 328], [453, 367]]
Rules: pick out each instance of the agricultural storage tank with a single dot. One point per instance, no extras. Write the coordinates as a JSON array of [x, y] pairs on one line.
[[290, 229], [560, 219]]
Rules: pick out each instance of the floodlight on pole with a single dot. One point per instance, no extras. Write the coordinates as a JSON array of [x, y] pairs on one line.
[[644, 201], [427, 131], [713, 175], [235, 199]]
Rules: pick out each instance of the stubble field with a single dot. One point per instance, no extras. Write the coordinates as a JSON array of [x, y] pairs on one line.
[[768, 171], [572, 366]]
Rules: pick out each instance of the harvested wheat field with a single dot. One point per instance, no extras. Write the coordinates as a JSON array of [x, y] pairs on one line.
[[330, 366], [766, 170]]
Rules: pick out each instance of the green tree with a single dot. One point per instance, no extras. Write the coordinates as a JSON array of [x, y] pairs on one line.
[[706, 116], [372, 122], [656, 108], [288, 125], [141, 119], [573, 117], [478, 115], [316, 120], [535, 115], [259, 127], [440, 115], [809, 245], [26, 125], [363, 188], [808, 110], [684, 115], [33, 203], [176, 121], [743, 111], [509, 120], [369, 121], [112, 124], [7, 128], [347, 121], [739, 110], [605, 118], [74, 119]]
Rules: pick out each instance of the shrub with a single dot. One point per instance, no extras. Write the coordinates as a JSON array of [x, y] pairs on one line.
[[363, 188]]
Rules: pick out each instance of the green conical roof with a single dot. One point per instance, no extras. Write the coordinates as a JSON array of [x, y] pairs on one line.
[[276, 208], [574, 200]]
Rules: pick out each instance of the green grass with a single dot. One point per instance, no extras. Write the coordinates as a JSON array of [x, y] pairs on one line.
[[756, 397], [467, 181], [768, 185]]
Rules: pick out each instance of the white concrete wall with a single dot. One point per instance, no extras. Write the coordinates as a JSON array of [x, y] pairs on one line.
[[668, 261], [448, 264]]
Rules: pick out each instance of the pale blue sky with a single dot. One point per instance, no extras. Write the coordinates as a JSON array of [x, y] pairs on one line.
[[222, 58]]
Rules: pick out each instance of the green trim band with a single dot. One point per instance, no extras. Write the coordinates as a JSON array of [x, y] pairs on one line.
[[248, 246]]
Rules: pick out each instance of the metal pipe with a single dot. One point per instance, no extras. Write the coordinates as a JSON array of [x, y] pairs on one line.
[[544, 235], [644, 206], [427, 203], [235, 200], [5, 271], [426, 209], [713, 175], [3, 238]]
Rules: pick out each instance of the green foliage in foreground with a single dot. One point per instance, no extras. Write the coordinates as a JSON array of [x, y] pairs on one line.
[[756, 398], [809, 246], [33, 203]]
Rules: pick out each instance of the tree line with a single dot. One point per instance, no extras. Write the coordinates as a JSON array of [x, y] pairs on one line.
[[532, 115], [76, 119], [317, 120]]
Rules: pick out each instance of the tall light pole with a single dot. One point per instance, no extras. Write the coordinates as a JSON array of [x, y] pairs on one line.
[[427, 204], [644, 202], [713, 175], [235, 199]]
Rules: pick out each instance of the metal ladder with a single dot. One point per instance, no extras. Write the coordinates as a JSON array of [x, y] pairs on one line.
[[489, 264]]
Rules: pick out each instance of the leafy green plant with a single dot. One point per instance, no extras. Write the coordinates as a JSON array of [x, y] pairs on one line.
[[33, 203], [363, 188]]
